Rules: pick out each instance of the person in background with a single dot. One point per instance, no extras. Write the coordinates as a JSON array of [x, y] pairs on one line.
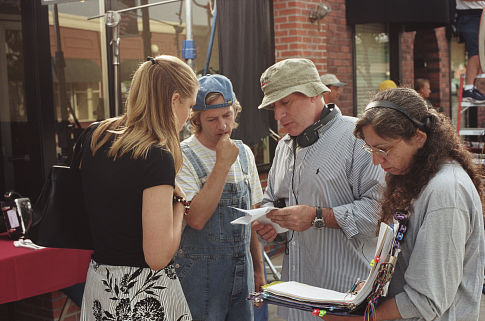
[[430, 176], [335, 86], [468, 24], [324, 181], [422, 86], [387, 84], [135, 207], [218, 263]]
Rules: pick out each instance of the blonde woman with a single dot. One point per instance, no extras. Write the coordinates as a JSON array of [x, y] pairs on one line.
[[134, 206]]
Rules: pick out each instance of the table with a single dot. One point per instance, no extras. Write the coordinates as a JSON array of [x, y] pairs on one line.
[[25, 272]]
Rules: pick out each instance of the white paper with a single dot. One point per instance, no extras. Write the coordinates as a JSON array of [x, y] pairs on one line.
[[12, 218], [27, 243], [303, 292], [258, 215]]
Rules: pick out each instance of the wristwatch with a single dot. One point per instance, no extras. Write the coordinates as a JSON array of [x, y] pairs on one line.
[[318, 222]]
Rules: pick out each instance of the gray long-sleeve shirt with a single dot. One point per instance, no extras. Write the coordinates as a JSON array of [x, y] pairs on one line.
[[439, 273], [334, 172]]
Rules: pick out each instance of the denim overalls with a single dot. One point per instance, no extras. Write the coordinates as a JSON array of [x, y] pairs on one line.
[[214, 264]]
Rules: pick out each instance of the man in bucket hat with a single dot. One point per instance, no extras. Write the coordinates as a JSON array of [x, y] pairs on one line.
[[215, 259], [326, 181]]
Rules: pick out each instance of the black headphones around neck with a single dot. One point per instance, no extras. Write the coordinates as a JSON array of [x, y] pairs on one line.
[[310, 135]]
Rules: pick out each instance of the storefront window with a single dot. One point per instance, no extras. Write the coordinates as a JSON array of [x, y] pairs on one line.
[[79, 62], [79, 50], [13, 115], [160, 30], [371, 61]]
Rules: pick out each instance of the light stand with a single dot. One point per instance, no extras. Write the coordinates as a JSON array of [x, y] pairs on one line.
[[112, 20]]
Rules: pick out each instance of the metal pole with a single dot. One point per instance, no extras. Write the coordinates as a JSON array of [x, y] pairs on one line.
[[188, 24], [113, 20], [116, 68], [276, 274], [60, 64], [460, 98], [211, 40], [146, 34]]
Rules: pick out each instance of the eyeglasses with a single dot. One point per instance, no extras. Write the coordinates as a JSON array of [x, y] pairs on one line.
[[376, 151]]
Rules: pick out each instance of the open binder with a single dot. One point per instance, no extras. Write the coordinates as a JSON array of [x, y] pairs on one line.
[[306, 297]]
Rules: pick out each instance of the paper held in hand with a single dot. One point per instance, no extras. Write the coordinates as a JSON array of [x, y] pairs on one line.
[[258, 215]]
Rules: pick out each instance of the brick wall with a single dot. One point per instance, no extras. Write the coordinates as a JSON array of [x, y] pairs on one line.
[[295, 35], [444, 70], [407, 59], [339, 47], [327, 43], [425, 54]]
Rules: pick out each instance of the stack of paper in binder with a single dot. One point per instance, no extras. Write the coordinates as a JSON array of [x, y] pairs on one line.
[[306, 297]]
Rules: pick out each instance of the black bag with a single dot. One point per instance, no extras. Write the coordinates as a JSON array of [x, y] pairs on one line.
[[60, 219]]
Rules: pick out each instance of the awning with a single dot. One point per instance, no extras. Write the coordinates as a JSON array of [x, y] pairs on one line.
[[86, 71], [128, 68], [410, 13], [80, 71]]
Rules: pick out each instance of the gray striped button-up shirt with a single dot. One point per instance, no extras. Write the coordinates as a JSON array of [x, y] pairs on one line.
[[335, 172]]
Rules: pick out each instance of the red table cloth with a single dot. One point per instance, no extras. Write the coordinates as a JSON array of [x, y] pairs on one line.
[[25, 272]]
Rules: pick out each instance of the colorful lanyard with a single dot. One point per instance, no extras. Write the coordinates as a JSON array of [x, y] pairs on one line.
[[386, 269]]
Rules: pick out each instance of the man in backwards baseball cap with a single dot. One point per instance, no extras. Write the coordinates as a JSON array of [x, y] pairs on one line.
[[218, 173], [324, 178]]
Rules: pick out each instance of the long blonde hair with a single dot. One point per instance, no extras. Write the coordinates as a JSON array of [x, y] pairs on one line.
[[149, 118]]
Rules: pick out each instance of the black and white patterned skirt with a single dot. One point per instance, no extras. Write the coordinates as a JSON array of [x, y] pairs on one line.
[[116, 293]]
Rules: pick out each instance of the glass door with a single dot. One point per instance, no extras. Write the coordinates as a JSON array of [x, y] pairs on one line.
[[14, 156]]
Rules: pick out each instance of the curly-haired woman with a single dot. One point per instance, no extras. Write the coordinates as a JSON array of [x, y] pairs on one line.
[[432, 177]]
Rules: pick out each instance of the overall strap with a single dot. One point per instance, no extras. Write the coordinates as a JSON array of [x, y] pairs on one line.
[[194, 160], [244, 162], [243, 158]]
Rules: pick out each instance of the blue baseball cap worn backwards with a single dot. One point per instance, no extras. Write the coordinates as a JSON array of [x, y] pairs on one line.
[[210, 84]]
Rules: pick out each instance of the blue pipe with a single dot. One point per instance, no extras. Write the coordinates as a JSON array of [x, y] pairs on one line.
[[211, 40]]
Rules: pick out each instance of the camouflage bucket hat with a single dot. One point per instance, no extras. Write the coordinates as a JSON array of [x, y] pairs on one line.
[[289, 76]]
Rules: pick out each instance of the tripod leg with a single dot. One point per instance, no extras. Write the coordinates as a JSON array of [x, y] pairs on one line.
[[276, 274]]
